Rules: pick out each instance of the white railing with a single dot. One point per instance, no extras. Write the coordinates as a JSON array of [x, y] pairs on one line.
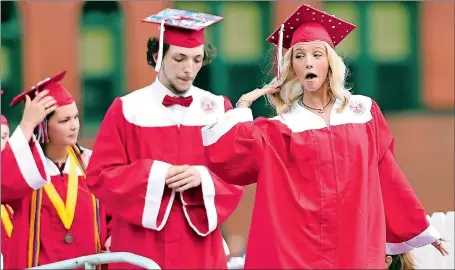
[[91, 261], [428, 257]]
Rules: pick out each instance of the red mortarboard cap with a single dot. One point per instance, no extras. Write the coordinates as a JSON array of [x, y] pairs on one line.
[[308, 24], [4, 120], [56, 90], [181, 28], [311, 24]]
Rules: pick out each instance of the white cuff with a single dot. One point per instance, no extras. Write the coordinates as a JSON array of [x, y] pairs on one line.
[[208, 195], [25, 160], [397, 248], [212, 133], [154, 196], [428, 236]]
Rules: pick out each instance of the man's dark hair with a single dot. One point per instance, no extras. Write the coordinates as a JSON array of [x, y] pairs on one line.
[[153, 45]]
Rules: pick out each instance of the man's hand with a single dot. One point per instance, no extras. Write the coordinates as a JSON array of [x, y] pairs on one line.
[[181, 178]]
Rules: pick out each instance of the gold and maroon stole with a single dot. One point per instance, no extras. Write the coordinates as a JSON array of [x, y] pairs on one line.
[[64, 210], [6, 214]]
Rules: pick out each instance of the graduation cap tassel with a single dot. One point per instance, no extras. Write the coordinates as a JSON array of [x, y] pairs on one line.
[[39, 135], [41, 132], [45, 135], [160, 49], [280, 52]]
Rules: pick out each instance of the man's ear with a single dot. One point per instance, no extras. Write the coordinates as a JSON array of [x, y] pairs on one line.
[[388, 261]]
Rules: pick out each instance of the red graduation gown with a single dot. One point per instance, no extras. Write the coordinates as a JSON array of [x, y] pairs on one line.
[[17, 191], [22, 168], [138, 141], [325, 196]]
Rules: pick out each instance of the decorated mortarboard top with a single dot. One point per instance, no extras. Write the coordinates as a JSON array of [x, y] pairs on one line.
[[56, 90], [309, 24], [181, 28], [183, 19]]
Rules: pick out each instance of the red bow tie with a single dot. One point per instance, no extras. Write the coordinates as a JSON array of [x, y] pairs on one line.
[[185, 101]]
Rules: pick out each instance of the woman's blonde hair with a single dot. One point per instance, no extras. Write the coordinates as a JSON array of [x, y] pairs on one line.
[[292, 89], [404, 261], [407, 261]]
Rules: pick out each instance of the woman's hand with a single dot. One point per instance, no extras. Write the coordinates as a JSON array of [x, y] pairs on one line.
[[247, 99], [35, 111], [440, 247]]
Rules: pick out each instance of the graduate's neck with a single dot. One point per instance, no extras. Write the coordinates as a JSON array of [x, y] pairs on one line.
[[56, 153], [317, 99], [168, 84]]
